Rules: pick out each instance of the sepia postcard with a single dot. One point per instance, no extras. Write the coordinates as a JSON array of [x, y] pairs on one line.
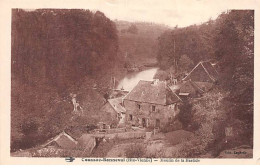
[[129, 82]]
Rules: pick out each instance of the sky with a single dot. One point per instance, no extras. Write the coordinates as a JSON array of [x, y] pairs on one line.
[[169, 12]]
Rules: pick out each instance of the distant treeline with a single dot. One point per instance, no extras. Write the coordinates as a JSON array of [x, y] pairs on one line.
[[138, 42]]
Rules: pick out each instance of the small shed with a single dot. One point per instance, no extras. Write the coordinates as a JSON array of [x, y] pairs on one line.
[[202, 72], [62, 140], [191, 89], [204, 75], [113, 112]]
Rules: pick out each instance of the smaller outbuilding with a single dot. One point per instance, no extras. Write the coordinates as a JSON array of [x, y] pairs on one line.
[[204, 75], [62, 140], [190, 89], [113, 112]]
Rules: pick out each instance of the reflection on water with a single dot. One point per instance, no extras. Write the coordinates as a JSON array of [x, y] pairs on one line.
[[131, 79]]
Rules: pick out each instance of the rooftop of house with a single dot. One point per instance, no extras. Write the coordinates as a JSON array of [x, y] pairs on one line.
[[117, 105], [118, 93], [154, 92], [203, 71]]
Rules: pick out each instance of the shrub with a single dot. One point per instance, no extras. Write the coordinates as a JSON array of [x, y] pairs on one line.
[[185, 114], [189, 149], [135, 151], [179, 136], [172, 126]]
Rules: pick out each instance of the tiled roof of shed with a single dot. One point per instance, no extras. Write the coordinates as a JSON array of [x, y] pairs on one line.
[[197, 74]]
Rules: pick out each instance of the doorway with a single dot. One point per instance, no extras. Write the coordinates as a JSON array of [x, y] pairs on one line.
[[144, 124], [157, 123]]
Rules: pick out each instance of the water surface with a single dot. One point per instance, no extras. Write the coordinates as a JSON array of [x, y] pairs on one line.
[[132, 78]]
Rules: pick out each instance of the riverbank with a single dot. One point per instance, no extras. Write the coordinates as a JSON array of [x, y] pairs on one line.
[[138, 68]]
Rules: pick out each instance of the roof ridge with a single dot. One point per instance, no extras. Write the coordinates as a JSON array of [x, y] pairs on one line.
[[173, 93], [70, 137], [212, 78], [177, 96], [192, 70]]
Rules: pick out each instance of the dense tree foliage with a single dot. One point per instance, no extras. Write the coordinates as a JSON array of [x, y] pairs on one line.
[[54, 53], [60, 46], [193, 41], [234, 42], [186, 114]]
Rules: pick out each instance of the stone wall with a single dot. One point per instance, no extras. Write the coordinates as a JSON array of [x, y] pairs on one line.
[[162, 113], [122, 135]]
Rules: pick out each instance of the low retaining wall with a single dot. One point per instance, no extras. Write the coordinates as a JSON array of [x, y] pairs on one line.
[[123, 135], [130, 135]]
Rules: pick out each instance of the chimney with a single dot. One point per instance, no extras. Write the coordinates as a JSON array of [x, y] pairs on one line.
[[155, 82], [175, 88]]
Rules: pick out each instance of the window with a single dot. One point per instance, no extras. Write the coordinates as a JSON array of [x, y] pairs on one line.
[[153, 108], [130, 117], [139, 106]]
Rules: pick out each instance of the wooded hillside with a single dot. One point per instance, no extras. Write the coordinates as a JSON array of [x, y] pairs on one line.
[[55, 53], [228, 42]]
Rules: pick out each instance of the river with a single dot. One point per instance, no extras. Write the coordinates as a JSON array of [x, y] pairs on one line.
[[132, 78]]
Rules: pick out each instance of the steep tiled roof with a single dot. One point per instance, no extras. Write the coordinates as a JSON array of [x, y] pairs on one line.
[[203, 72], [116, 104], [63, 140], [155, 92], [190, 87], [211, 70]]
